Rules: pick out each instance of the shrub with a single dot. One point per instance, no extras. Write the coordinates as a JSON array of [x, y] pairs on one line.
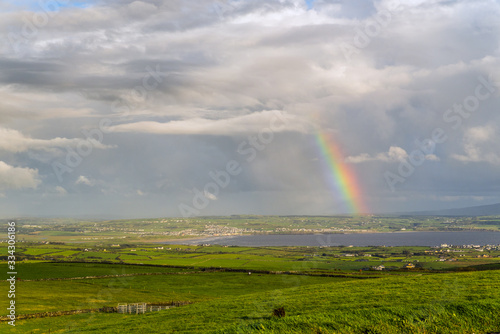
[[279, 312]]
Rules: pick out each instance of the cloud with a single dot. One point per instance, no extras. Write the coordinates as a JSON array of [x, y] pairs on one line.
[[251, 123], [220, 71], [480, 144], [395, 154], [84, 180], [58, 191], [432, 157], [18, 177], [61, 191], [210, 196], [14, 141]]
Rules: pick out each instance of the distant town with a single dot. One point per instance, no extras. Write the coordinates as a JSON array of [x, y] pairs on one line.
[[180, 228]]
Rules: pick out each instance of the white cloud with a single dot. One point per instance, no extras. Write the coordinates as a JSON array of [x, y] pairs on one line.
[[480, 134], [84, 180], [251, 123], [480, 144], [58, 191], [395, 154], [17, 177], [363, 157], [210, 196], [14, 141], [432, 157], [61, 191]]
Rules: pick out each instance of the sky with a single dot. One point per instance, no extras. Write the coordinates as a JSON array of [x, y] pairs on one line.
[[183, 108]]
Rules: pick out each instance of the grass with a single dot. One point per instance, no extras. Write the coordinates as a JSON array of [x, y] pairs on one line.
[[39, 296], [439, 303], [261, 258], [44, 270], [465, 300], [451, 318]]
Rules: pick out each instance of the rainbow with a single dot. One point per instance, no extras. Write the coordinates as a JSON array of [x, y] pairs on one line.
[[341, 176]]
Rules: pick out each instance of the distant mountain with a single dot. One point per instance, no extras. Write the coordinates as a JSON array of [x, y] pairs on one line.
[[482, 210]]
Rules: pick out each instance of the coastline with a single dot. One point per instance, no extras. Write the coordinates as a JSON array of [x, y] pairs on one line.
[[397, 238], [193, 238]]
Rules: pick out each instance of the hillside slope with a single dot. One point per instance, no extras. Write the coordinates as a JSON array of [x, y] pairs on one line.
[[437, 303]]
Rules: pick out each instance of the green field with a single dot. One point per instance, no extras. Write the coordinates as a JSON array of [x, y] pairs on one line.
[[327, 259], [35, 297], [65, 266], [439, 303], [44, 270]]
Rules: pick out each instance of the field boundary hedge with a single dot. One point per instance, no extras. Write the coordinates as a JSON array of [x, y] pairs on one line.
[[200, 270]]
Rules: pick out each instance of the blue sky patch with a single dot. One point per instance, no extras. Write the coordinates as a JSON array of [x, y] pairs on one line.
[[310, 4], [46, 5]]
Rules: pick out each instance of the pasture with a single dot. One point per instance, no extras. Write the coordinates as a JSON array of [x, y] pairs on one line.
[[438, 303], [323, 290]]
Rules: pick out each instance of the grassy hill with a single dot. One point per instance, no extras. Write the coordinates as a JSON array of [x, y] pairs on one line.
[[435, 303], [322, 290]]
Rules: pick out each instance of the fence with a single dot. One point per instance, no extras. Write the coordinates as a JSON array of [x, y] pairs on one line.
[[139, 308], [132, 308]]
